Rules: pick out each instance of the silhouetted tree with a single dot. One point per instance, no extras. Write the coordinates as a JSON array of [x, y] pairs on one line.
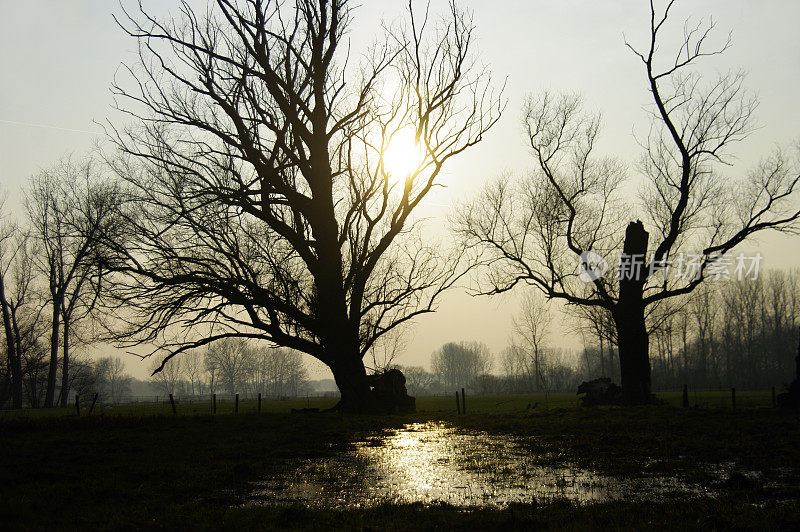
[[457, 365], [68, 209], [531, 330], [571, 210], [111, 381], [16, 275], [261, 206], [167, 375]]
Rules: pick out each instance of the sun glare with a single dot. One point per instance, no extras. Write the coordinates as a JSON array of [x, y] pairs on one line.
[[403, 155]]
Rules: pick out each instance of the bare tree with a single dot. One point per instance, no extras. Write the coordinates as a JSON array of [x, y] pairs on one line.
[[263, 205], [193, 371], [418, 380], [457, 365], [111, 381], [561, 226], [169, 376], [704, 310], [230, 358], [68, 209], [16, 275], [531, 329]]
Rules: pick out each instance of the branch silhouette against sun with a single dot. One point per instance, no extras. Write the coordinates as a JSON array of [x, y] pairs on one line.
[[267, 195], [543, 228]]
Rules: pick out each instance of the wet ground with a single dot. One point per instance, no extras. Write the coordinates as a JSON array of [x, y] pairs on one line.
[[433, 462]]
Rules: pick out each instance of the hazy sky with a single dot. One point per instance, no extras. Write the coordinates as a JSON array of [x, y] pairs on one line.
[[57, 60]]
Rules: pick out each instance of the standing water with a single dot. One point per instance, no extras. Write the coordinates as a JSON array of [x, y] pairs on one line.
[[432, 463]]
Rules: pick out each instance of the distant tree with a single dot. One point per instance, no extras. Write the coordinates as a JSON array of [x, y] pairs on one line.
[[531, 330], [262, 202], [230, 360], [514, 368], [596, 324], [276, 372], [118, 382], [548, 229], [169, 377], [457, 365], [84, 378], [193, 370], [418, 380], [705, 310]]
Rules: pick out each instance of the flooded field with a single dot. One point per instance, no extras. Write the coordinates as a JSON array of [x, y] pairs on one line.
[[433, 462]]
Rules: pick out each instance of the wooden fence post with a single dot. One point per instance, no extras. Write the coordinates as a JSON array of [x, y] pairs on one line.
[[236, 408], [458, 403], [733, 397], [172, 402], [685, 396], [463, 402], [78, 404], [259, 402]]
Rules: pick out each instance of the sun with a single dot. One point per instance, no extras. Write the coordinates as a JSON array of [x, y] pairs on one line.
[[403, 155]]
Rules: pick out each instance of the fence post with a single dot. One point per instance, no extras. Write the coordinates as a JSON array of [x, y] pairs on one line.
[[773, 397], [91, 408], [463, 402], [78, 404], [259, 402], [458, 403], [733, 397], [172, 402], [236, 408], [215, 404], [685, 396]]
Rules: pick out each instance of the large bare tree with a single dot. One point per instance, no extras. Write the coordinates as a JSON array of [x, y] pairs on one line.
[[262, 202], [560, 227]]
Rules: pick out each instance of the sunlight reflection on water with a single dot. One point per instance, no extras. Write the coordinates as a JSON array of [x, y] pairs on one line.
[[432, 462]]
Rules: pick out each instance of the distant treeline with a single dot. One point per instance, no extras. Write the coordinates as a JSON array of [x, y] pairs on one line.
[[729, 333]]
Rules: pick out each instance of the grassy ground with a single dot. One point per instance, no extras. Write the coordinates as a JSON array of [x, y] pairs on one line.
[[142, 467], [488, 404]]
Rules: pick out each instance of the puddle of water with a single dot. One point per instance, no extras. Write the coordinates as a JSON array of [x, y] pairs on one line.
[[432, 463]]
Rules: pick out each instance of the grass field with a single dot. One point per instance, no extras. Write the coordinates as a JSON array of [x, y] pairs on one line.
[[140, 466], [489, 404]]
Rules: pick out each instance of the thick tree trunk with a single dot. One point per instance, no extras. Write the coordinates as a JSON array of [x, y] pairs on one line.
[[633, 349], [65, 368], [49, 398], [351, 378], [633, 342], [12, 344]]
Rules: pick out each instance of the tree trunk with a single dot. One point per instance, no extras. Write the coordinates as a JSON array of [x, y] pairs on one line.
[[14, 355], [351, 378], [65, 368], [794, 389], [633, 343], [633, 349], [602, 358], [49, 399]]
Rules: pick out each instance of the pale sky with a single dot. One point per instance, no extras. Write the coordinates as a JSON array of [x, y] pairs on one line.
[[58, 58]]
